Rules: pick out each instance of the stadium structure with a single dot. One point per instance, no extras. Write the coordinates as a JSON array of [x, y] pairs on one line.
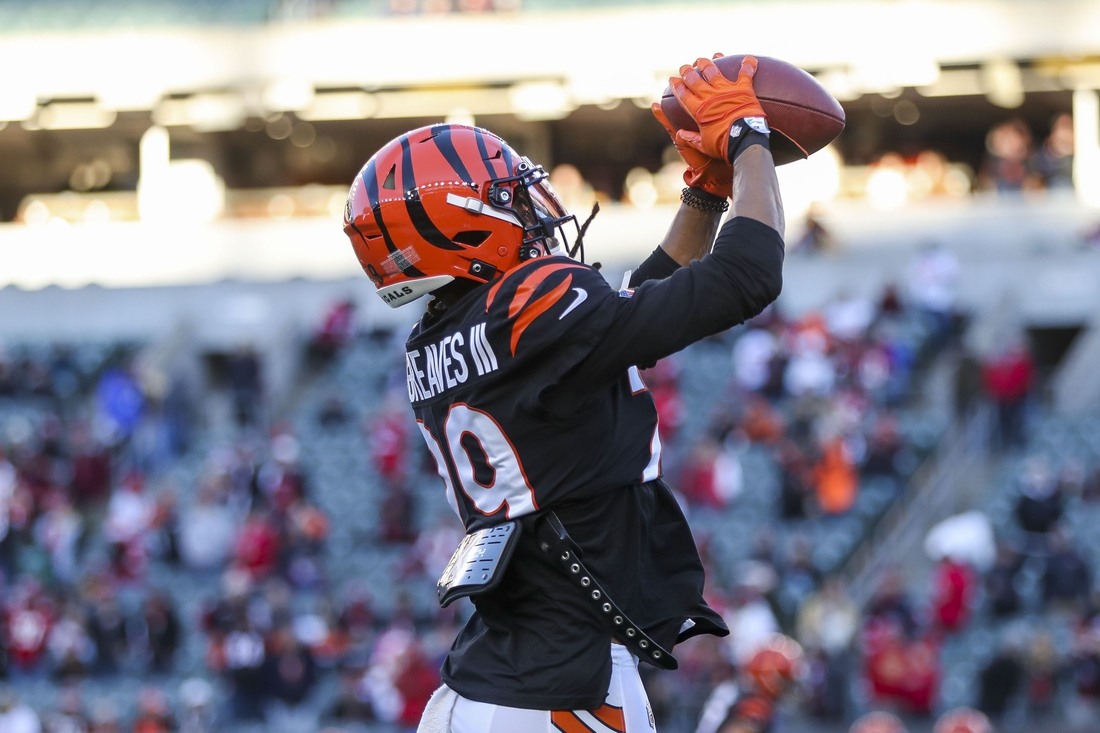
[[186, 336]]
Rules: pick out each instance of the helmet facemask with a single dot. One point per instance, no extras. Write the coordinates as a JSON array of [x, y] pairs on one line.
[[530, 198]]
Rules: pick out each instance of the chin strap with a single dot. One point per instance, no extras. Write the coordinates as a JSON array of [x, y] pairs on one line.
[[578, 246]]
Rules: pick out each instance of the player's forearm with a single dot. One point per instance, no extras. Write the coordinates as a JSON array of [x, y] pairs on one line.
[[691, 234], [756, 188]]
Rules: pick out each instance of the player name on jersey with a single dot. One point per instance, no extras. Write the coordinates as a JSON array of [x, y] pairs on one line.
[[443, 365]]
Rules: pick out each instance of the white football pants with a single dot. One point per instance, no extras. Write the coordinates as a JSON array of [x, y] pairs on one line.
[[626, 709]]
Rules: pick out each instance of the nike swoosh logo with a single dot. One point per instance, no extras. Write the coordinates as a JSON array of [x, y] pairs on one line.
[[582, 295]]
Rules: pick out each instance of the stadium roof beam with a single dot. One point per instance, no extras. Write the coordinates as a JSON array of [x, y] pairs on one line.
[[281, 67]]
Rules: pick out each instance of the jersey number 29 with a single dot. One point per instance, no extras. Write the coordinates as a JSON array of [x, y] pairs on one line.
[[470, 436]]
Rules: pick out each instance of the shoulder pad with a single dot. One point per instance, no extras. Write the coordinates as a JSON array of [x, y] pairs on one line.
[[530, 290]]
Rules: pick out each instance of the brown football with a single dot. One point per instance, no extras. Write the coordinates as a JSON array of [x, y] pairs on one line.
[[803, 116]]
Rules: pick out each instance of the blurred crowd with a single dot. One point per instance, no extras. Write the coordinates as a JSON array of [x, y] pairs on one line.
[[1014, 162], [110, 571], [824, 396], [1032, 592], [134, 544], [439, 7], [823, 392]]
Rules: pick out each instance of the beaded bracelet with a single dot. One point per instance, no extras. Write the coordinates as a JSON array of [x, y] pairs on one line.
[[704, 201]]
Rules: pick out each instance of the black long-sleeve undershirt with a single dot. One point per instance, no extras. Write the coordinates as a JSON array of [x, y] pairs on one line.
[[657, 266], [735, 282]]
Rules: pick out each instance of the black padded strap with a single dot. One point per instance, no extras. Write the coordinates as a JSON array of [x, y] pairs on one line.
[[554, 541]]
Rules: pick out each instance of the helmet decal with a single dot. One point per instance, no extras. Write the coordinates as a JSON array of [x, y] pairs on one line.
[[370, 181], [400, 261]]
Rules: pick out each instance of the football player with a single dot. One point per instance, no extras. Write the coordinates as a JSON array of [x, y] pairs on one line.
[[748, 705], [523, 377]]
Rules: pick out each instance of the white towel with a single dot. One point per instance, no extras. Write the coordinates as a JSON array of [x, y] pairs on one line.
[[437, 713]]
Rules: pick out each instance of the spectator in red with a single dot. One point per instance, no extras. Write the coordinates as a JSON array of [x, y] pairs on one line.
[[153, 713], [903, 672], [358, 616], [901, 667], [30, 618], [697, 477], [397, 524], [1008, 379], [389, 438], [952, 594], [337, 329], [91, 467], [416, 679], [662, 381], [258, 545]]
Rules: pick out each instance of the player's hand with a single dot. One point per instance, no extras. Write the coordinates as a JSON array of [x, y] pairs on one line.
[[712, 175], [715, 103]]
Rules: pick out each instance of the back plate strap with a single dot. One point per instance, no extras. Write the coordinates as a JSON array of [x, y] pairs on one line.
[[554, 541]]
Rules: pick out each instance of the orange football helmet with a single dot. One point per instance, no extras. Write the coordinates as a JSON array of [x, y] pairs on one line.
[[445, 202], [774, 666]]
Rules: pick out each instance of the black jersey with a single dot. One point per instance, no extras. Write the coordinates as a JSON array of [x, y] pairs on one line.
[[477, 378], [527, 394]]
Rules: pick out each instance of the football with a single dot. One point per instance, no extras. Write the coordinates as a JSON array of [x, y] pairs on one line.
[[803, 116]]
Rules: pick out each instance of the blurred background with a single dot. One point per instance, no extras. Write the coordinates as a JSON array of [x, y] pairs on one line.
[[215, 514]]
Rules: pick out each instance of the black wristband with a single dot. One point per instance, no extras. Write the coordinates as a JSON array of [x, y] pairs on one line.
[[697, 198], [745, 133]]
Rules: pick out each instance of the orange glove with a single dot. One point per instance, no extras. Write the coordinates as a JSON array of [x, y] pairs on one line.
[[715, 103], [713, 176]]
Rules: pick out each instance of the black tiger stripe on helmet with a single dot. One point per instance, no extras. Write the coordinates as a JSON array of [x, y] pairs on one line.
[[423, 223], [370, 181], [441, 136]]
